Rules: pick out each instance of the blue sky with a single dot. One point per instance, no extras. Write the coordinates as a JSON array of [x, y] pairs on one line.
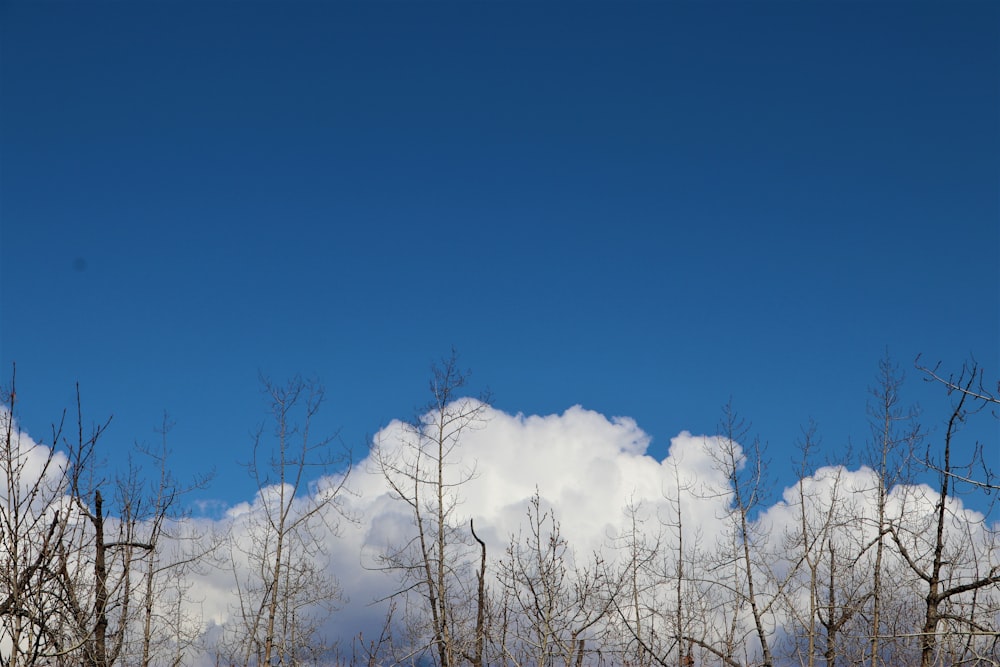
[[647, 209]]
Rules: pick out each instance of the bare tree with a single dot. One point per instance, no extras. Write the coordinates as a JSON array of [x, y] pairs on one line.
[[35, 482], [91, 587], [958, 576], [808, 543], [690, 615], [106, 540], [895, 433], [634, 598], [77, 544], [167, 629], [425, 472], [823, 597], [277, 553], [662, 600], [558, 605], [743, 468]]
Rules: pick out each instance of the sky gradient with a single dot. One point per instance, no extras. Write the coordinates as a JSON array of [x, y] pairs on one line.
[[645, 209]]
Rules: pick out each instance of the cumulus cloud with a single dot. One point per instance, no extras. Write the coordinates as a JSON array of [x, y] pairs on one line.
[[585, 465]]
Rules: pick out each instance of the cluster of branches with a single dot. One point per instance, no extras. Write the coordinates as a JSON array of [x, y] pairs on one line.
[[275, 551], [86, 576], [891, 572], [98, 571]]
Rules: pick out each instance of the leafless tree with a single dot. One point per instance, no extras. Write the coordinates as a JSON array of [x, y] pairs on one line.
[[634, 597], [435, 565], [78, 546], [662, 607], [558, 605], [808, 544], [277, 549], [33, 513], [822, 597], [167, 629], [895, 433], [94, 559], [957, 569], [748, 572]]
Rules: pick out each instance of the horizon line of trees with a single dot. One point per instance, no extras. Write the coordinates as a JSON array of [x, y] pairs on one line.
[[876, 570]]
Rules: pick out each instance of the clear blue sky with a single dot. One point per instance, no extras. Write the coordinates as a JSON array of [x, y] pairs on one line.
[[647, 209]]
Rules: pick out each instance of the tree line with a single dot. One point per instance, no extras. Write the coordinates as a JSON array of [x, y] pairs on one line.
[[871, 568]]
